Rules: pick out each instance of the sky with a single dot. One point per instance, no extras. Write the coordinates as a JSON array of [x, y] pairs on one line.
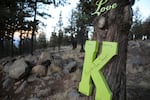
[[66, 13], [144, 8]]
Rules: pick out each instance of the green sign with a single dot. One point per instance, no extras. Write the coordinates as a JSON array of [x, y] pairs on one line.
[[92, 69], [100, 9]]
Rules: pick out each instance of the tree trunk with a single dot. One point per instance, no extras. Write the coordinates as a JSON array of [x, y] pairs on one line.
[[1, 45], [34, 28], [12, 44], [114, 26], [82, 37], [20, 44]]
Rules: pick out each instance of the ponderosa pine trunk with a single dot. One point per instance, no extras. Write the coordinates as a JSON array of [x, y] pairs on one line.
[[114, 26]]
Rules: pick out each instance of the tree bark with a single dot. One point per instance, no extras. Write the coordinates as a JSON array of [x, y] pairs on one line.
[[20, 44], [1, 44], [34, 28], [12, 44], [114, 26]]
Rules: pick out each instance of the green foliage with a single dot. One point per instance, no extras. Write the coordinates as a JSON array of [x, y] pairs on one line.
[[140, 28], [53, 40], [72, 28], [59, 40], [60, 22], [42, 41], [85, 9], [146, 27]]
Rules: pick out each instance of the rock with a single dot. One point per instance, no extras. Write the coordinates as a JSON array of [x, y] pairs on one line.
[[76, 76], [39, 70], [57, 61], [44, 57], [1, 67], [46, 78], [46, 63], [44, 93], [72, 94], [17, 69], [50, 82], [68, 60], [7, 65], [34, 98], [6, 60], [21, 87], [8, 83], [57, 76], [32, 78], [71, 67], [138, 94], [18, 82], [144, 84], [59, 96], [138, 61], [22, 98], [6, 68], [31, 59], [53, 69]]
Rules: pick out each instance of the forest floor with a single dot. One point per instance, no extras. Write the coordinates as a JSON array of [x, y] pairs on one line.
[[60, 80]]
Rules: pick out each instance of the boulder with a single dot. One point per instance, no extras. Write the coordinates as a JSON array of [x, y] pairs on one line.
[[53, 69], [17, 69], [71, 67], [31, 58], [21, 87], [44, 57], [39, 70], [8, 83], [44, 92], [32, 78], [58, 61], [46, 63]]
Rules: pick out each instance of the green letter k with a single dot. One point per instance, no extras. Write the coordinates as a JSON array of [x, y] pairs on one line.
[[92, 69]]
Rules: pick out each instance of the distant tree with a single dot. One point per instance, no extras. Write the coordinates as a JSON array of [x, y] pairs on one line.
[[84, 19], [56, 4], [146, 28], [136, 29], [139, 27], [60, 32], [60, 22], [66, 39], [71, 28], [60, 39], [53, 40], [42, 40]]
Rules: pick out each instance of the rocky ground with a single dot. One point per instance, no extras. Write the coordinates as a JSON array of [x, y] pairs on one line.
[[138, 70], [55, 75]]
